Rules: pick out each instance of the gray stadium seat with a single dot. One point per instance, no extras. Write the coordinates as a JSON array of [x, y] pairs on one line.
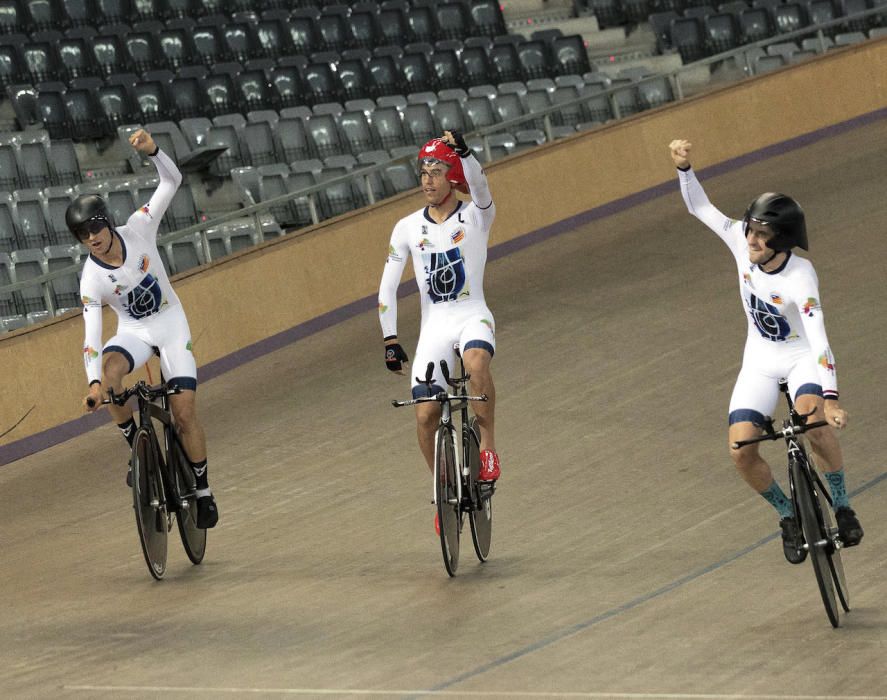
[[567, 115], [258, 144], [388, 125], [501, 145], [32, 150], [479, 111], [55, 202], [195, 129], [66, 289], [7, 224], [324, 137], [65, 164], [449, 115], [419, 123], [26, 265], [528, 138], [765, 64], [169, 137], [184, 254], [356, 131], [654, 92], [8, 303], [9, 175], [32, 228], [292, 139]]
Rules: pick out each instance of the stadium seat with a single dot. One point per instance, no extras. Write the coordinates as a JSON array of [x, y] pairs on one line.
[[533, 58], [755, 24], [453, 20], [64, 161], [218, 91], [54, 201], [765, 63], [654, 92], [570, 115], [526, 139], [11, 67], [114, 11], [570, 55], [85, 115], [849, 38], [28, 213], [487, 17], [8, 240], [332, 28], [8, 302], [27, 265], [393, 25], [76, 57], [323, 135], [384, 76], [387, 123], [422, 23], [292, 139], [152, 100], [206, 38], [143, 53], [688, 37], [65, 290], [13, 18], [597, 103], [241, 42], [40, 61], [361, 24], [417, 72], [419, 123], [721, 32], [480, 111], [475, 66], [820, 11], [788, 17], [51, 110], [508, 106], [109, 52], [356, 131], [853, 7], [303, 33], [10, 178], [449, 115], [185, 253], [224, 132], [258, 144]]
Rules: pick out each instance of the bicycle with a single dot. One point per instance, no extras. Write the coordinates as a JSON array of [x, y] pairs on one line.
[[813, 508], [456, 490], [163, 483]]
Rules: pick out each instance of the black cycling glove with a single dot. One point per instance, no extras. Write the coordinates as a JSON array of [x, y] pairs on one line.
[[395, 356], [459, 145]]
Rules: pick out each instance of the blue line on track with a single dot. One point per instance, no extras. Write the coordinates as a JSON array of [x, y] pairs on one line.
[[566, 632]]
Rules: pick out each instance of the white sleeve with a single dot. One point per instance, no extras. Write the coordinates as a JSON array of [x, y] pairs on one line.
[[813, 321], [90, 296], [699, 206], [398, 252], [480, 190], [146, 220]]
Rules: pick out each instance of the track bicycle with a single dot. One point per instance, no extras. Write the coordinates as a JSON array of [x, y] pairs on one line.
[[163, 482], [457, 491], [813, 509]]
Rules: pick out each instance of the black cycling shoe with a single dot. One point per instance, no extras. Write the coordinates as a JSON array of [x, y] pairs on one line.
[[207, 513], [849, 528], [792, 542]]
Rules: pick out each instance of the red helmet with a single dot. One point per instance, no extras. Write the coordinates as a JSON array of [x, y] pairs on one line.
[[437, 151]]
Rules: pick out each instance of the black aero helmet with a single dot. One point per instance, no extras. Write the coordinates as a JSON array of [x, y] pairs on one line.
[[86, 208], [783, 215]]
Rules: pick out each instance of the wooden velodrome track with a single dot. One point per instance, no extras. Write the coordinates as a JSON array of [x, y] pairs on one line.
[[629, 560]]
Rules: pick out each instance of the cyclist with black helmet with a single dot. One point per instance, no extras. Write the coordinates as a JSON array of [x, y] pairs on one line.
[[447, 241], [786, 339], [124, 269]]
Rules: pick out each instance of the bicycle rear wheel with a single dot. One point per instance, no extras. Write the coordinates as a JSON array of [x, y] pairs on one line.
[[816, 536], [446, 495], [149, 502], [481, 514], [834, 556], [193, 537]]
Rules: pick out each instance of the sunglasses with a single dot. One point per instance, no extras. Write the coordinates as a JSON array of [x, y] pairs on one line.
[[92, 227]]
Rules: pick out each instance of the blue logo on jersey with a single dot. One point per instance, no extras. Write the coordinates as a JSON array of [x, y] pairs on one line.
[[771, 324], [446, 275], [144, 299]]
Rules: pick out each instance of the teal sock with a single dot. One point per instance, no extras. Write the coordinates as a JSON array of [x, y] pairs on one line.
[[776, 498], [838, 489]]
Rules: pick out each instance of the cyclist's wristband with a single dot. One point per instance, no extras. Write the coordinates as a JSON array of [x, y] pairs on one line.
[[95, 381], [390, 337], [156, 151]]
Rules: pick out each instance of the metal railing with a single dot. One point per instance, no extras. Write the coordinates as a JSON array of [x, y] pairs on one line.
[[546, 117]]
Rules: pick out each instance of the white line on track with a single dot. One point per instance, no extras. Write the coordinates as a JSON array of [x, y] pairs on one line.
[[461, 693]]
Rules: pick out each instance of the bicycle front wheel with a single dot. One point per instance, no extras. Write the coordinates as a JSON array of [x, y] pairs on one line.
[[816, 536], [481, 515], [193, 537], [834, 554], [446, 496], [149, 502]]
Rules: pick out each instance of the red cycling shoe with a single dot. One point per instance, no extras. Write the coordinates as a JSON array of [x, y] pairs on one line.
[[489, 466]]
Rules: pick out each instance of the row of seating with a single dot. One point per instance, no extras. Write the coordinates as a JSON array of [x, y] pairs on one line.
[[316, 26], [92, 107], [23, 265], [30, 159], [266, 136], [706, 33], [704, 30]]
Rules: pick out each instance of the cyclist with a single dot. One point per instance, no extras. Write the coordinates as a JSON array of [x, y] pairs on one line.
[[447, 240], [125, 270], [786, 338]]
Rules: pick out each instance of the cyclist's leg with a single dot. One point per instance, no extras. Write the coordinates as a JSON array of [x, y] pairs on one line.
[[435, 344], [478, 343], [751, 405], [179, 368], [122, 354], [803, 382]]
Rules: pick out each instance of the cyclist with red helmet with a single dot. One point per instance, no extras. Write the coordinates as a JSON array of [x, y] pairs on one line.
[[447, 240], [786, 339]]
